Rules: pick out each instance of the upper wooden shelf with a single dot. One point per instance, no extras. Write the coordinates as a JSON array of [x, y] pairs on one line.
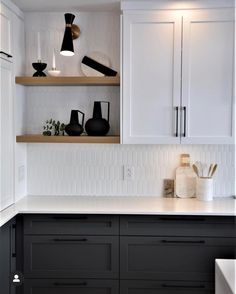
[[68, 139], [68, 81]]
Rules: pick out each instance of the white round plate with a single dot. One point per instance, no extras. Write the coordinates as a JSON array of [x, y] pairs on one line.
[[99, 57]]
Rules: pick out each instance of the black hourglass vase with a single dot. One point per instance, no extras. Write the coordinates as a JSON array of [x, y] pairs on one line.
[[39, 67]]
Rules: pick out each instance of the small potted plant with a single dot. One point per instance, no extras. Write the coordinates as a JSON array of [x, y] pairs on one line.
[[53, 128]]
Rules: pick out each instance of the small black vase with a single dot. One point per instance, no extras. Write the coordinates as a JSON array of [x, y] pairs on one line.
[[74, 128], [98, 126]]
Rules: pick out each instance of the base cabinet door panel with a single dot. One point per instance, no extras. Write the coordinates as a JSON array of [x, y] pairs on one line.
[[71, 257], [165, 287], [71, 286], [173, 258], [7, 257]]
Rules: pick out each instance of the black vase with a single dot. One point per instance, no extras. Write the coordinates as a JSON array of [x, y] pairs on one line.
[[74, 128], [98, 126]]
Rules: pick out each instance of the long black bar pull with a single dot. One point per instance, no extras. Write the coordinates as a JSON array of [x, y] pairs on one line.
[[185, 118], [177, 121]]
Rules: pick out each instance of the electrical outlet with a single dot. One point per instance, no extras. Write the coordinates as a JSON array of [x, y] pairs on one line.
[[128, 173], [21, 173]]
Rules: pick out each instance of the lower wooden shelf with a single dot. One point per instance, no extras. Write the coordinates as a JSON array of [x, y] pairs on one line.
[[68, 139]]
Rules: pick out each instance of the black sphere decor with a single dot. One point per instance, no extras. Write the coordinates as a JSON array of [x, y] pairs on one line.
[[97, 125], [39, 67]]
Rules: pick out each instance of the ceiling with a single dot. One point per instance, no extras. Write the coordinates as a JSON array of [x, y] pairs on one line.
[[63, 5]]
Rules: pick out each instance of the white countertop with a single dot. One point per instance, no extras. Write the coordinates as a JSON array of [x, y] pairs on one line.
[[118, 205], [225, 276]]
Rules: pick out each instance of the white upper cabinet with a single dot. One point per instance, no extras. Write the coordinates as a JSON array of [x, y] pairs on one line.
[[178, 77], [208, 77], [151, 77], [6, 22]]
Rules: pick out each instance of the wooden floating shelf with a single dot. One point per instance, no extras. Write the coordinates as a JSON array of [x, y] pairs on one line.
[[68, 81], [68, 139]]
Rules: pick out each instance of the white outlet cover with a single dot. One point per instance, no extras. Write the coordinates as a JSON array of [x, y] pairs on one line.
[[128, 173]]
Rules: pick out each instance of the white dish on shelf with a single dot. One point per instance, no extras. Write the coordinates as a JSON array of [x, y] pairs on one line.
[[54, 72], [99, 57]]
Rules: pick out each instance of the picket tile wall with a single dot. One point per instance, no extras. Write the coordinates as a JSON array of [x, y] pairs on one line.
[[97, 170]]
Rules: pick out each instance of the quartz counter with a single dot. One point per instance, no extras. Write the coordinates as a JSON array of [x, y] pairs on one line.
[[118, 205]]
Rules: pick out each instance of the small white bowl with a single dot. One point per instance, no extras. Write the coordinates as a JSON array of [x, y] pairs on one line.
[[54, 73]]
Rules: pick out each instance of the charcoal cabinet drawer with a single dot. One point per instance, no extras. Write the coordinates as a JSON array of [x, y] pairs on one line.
[[173, 258], [70, 286], [71, 257], [71, 225], [178, 225]]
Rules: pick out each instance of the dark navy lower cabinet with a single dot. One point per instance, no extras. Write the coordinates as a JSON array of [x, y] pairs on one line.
[[71, 286], [165, 287]]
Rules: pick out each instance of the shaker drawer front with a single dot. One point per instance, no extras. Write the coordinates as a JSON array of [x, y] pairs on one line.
[[71, 257], [173, 258], [71, 225], [71, 286], [165, 287], [178, 226]]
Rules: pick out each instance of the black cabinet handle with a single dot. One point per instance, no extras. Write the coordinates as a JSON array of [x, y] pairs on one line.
[[183, 241], [70, 217], [177, 122], [184, 286], [7, 55], [185, 118], [13, 240], [70, 284], [71, 240]]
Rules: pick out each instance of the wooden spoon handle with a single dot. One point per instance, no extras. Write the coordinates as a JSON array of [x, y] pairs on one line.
[[213, 170]]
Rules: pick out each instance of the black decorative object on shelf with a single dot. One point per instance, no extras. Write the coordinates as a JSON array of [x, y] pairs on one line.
[[99, 67], [74, 128], [98, 126], [39, 67]]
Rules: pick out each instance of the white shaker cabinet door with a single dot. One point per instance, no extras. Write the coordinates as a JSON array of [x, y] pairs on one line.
[[6, 19], [151, 77], [208, 78], [6, 135]]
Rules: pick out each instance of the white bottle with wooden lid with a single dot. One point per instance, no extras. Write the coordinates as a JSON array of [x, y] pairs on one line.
[[185, 179]]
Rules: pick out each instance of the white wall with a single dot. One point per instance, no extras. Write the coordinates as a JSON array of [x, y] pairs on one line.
[[71, 169]]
